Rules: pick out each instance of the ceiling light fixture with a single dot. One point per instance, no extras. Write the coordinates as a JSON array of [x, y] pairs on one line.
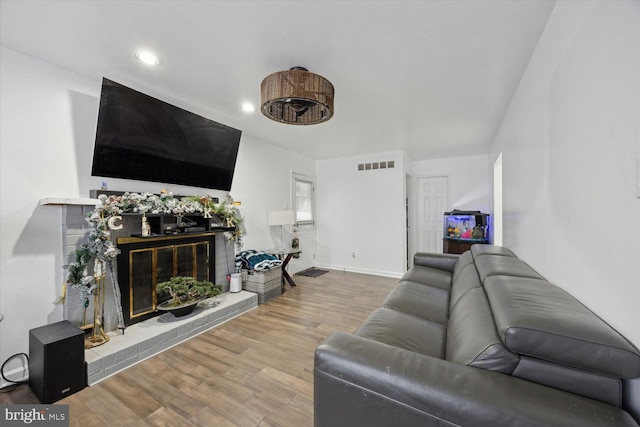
[[297, 97], [248, 107], [148, 58]]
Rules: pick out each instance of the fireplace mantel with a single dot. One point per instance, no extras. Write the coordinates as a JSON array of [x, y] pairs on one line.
[[69, 201]]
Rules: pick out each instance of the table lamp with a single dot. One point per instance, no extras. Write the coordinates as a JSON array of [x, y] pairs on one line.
[[282, 218]]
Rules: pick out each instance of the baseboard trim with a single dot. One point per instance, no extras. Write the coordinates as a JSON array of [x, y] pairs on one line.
[[11, 373], [382, 273]]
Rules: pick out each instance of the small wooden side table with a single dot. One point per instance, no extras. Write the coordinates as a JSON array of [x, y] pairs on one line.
[[285, 255]]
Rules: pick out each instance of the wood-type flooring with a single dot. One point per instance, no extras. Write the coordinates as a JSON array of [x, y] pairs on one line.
[[254, 370]]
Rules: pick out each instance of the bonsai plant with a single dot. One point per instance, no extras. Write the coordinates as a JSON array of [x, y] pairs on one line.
[[185, 292]]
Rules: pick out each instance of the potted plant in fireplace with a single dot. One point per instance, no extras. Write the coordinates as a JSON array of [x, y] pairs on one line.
[[184, 294]]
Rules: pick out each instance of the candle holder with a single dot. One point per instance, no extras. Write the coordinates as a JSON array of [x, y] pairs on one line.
[[97, 336]]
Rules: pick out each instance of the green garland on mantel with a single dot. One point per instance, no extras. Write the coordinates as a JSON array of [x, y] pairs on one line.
[[100, 248]]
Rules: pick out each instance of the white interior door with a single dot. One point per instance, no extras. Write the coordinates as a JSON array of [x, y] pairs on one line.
[[433, 198], [303, 202]]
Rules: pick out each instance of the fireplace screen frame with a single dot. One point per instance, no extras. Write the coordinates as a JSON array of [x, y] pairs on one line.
[[138, 282]]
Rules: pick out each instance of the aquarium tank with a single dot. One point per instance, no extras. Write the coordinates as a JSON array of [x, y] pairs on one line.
[[468, 226]]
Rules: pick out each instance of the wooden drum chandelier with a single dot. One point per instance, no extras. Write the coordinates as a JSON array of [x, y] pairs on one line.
[[297, 97]]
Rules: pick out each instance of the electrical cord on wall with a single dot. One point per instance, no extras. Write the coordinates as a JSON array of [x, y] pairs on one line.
[[13, 384]]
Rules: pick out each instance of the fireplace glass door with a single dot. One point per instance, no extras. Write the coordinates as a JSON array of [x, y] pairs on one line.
[[144, 264], [141, 282]]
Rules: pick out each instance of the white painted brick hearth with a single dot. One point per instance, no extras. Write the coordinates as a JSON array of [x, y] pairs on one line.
[[148, 338]]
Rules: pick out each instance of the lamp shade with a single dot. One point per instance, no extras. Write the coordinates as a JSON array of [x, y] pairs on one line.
[[282, 218], [297, 97]]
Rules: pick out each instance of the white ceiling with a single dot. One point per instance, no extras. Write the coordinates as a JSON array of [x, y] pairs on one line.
[[433, 78]]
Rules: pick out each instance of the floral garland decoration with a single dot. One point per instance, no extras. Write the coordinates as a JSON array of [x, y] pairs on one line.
[[100, 247]]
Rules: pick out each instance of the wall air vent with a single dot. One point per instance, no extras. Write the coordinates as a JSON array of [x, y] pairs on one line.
[[390, 164]]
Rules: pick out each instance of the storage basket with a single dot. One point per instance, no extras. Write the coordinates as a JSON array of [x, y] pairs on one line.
[[261, 276], [267, 284]]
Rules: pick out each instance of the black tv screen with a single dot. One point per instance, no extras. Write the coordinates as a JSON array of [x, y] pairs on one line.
[[142, 138]]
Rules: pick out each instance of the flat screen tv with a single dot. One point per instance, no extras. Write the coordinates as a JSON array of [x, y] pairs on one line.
[[142, 138]]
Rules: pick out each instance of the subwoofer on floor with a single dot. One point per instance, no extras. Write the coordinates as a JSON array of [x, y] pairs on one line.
[[56, 361]]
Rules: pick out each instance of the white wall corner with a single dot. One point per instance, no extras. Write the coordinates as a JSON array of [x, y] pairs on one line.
[[638, 178]]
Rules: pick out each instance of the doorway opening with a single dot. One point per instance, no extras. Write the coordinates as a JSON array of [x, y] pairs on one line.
[[408, 195], [497, 201], [303, 200]]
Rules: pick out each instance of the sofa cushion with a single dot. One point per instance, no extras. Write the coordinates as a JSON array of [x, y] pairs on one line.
[[541, 320], [427, 302], [472, 338], [465, 259], [467, 278], [429, 276], [497, 265], [404, 331]]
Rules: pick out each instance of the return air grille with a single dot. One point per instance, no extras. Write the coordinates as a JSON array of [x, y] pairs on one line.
[[390, 164]]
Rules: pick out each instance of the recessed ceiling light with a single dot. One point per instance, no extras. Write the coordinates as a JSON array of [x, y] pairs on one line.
[[248, 107], [148, 58]]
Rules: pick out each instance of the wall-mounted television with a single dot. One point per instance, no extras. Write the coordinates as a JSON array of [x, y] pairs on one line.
[[140, 137]]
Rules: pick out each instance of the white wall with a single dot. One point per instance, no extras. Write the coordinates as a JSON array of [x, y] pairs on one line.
[[570, 140], [262, 182], [46, 145], [361, 212], [468, 179], [364, 212], [37, 111]]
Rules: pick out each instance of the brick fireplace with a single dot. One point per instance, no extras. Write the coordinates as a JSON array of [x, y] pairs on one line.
[[153, 335], [74, 231]]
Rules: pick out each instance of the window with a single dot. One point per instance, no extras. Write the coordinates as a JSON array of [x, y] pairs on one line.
[[303, 201]]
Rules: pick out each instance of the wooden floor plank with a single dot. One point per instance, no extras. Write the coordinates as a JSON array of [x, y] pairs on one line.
[[267, 422], [165, 417], [254, 370], [126, 391], [209, 417]]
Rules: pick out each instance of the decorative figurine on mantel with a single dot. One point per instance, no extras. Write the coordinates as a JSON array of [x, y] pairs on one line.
[[146, 229]]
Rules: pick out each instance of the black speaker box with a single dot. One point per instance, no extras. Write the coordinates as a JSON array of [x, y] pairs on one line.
[[56, 361]]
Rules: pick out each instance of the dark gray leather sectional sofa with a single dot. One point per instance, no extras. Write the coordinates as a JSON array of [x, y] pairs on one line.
[[479, 339]]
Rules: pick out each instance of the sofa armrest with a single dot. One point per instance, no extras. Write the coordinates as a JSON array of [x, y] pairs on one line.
[[434, 260], [361, 382]]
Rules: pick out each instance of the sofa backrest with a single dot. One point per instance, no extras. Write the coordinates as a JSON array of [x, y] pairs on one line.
[[472, 338], [505, 316], [496, 260], [477, 250], [465, 259], [466, 279], [541, 320], [559, 341], [497, 265]]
